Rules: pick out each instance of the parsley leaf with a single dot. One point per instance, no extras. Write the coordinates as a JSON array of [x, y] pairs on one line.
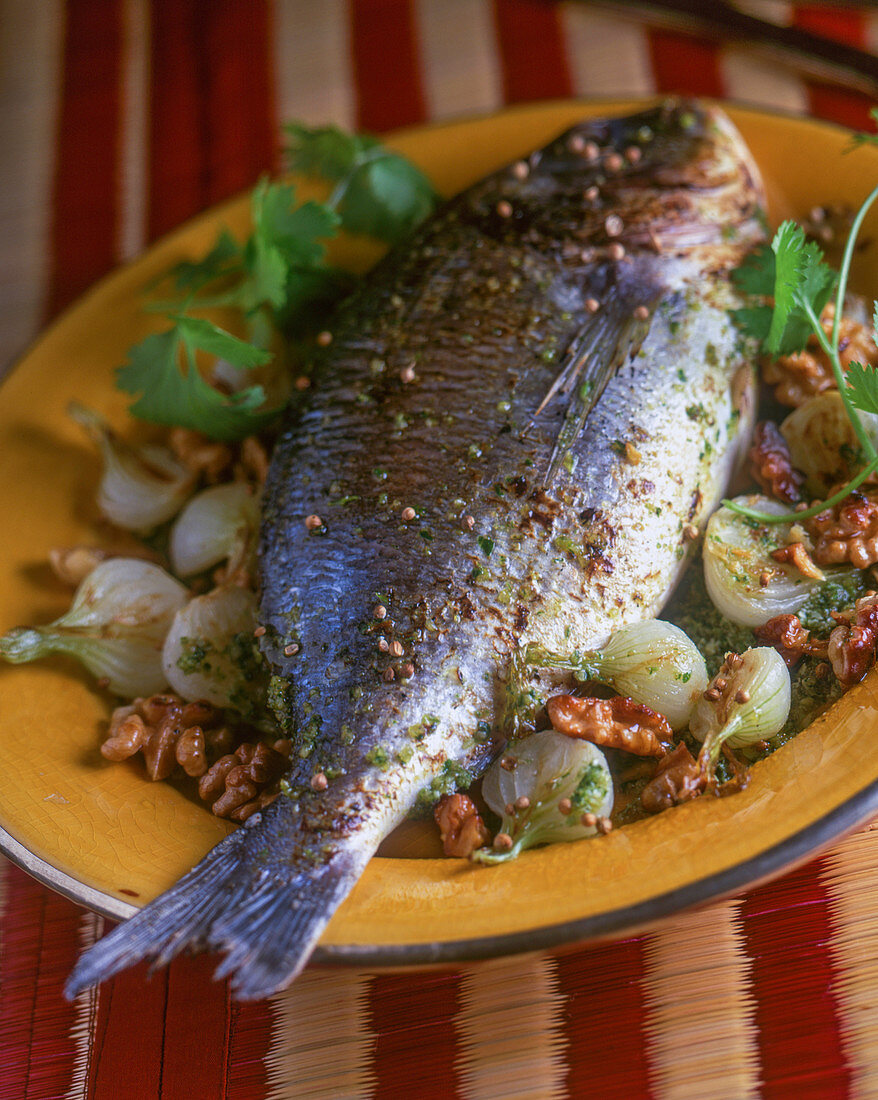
[[163, 370]]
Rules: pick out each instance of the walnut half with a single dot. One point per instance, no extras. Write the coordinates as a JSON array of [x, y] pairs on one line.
[[618, 723], [847, 532], [460, 825], [772, 466], [168, 732], [245, 781]]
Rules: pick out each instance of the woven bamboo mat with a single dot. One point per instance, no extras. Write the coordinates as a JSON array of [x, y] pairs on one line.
[[118, 120]]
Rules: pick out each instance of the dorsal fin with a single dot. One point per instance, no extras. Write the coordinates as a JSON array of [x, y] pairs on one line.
[[598, 348]]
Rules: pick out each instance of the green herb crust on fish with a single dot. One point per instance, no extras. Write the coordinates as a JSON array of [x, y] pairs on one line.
[[524, 415]]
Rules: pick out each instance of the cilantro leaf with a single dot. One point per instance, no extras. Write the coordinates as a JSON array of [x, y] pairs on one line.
[[266, 274], [386, 198], [292, 239], [801, 279], [755, 277], [298, 231], [325, 151], [756, 274], [312, 292], [277, 278], [377, 191], [863, 138], [162, 369], [787, 246], [755, 321], [223, 258], [200, 334], [862, 387], [793, 273]]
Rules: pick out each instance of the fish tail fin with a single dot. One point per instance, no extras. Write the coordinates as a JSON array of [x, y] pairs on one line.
[[265, 918]]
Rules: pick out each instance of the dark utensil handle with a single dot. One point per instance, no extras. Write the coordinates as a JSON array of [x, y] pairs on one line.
[[810, 54]]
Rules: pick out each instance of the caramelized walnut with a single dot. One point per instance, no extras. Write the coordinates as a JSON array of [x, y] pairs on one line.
[[245, 781], [790, 638], [253, 461], [72, 564], [215, 462], [800, 376], [618, 723], [460, 825], [168, 732], [200, 454], [796, 554], [853, 643], [797, 377], [679, 778], [771, 465], [847, 532]]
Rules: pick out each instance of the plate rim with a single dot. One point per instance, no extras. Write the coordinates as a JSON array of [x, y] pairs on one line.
[[792, 851]]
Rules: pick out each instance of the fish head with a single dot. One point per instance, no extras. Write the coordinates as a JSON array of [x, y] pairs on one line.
[[674, 181]]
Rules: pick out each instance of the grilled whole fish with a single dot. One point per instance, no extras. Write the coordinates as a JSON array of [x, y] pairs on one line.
[[467, 506]]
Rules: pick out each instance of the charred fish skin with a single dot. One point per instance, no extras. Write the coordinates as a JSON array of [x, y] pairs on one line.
[[463, 514]]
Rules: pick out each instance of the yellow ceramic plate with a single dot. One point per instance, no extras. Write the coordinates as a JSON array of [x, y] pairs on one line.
[[105, 836]]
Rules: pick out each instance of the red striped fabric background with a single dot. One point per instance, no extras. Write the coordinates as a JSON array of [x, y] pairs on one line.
[[144, 112]]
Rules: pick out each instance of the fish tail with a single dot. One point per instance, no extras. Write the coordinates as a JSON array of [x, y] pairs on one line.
[[265, 919]]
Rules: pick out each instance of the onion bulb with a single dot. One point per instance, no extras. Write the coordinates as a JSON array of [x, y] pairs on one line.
[[542, 788], [652, 662], [217, 524], [655, 663], [751, 702], [823, 444], [210, 652], [116, 626], [139, 487], [743, 580]]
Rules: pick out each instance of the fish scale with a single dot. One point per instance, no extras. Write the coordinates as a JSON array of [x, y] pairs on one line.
[[557, 396]]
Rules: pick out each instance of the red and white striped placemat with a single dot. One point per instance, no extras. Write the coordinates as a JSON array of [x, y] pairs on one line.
[[769, 995], [118, 120]]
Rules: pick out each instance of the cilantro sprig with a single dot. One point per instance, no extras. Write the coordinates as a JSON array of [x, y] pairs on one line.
[[794, 274], [277, 280], [376, 191]]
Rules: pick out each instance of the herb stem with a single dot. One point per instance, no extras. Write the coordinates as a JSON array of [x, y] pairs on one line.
[[831, 350], [766, 519], [340, 189], [847, 259]]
